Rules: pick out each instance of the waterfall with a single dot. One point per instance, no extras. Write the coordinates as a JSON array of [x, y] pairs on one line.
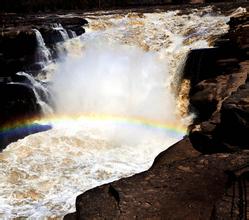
[[63, 33], [41, 93], [72, 34], [43, 55]]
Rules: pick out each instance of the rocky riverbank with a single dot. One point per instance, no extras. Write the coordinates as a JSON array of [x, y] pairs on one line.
[[204, 176]]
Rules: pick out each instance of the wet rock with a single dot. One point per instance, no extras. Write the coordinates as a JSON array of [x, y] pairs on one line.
[[52, 36], [202, 64], [18, 42], [71, 22], [27, 43], [179, 151], [210, 72], [17, 101], [59, 27]]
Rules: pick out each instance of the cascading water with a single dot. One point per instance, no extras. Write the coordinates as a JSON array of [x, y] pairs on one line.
[[63, 33], [72, 34], [43, 55], [115, 110], [41, 92]]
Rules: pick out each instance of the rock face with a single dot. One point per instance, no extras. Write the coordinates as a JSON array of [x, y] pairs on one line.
[[206, 175], [221, 101], [19, 41]]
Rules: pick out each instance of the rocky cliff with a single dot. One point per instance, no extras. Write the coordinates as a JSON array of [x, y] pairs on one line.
[[204, 176]]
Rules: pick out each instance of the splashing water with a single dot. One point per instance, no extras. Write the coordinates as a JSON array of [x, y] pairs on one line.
[[115, 110], [41, 93], [43, 55]]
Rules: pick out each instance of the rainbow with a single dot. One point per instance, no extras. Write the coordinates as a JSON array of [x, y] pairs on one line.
[[49, 121]]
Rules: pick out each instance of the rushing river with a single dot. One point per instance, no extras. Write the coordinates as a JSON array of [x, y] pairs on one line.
[[115, 109]]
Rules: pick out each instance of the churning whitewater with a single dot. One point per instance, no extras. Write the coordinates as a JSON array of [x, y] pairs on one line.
[[115, 108]]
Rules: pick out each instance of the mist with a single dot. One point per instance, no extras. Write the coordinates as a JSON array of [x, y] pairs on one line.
[[114, 79]]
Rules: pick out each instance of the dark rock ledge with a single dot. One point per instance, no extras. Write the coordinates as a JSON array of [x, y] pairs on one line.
[[18, 42], [206, 175]]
